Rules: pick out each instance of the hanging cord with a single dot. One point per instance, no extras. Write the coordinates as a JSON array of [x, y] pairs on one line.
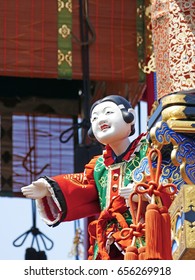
[[33, 230], [90, 28], [85, 29], [25, 161], [155, 188], [84, 124]]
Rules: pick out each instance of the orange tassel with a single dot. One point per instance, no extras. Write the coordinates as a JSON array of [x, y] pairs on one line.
[[166, 233], [131, 253], [157, 222], [142, 253], [153, 233]]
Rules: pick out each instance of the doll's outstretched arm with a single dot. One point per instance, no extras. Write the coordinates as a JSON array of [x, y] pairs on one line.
[[65, 197], [37, 189], [49, 208]]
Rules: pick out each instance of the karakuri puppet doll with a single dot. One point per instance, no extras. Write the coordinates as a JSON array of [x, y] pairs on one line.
[[104, 186]]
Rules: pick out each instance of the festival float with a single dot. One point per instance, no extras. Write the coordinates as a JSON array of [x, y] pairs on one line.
[[141, 50]]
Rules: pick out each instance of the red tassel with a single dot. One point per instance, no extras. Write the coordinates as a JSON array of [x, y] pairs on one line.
[[166, 233], [142, 253], [131, 253], [153, 233]]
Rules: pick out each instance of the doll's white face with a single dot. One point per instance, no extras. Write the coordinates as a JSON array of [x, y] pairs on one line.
[[107, 123]]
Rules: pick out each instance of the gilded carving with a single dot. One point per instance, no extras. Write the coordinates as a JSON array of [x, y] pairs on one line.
[[183, 152], [182, 212]]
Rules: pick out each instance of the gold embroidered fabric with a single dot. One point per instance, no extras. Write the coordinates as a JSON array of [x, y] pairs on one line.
[[64, 38], [173, 25]]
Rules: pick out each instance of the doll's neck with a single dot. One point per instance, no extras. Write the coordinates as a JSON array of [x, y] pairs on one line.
[[119, 147]]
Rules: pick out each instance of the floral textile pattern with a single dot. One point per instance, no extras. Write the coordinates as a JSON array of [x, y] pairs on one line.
[[64, 38], [173, 24]]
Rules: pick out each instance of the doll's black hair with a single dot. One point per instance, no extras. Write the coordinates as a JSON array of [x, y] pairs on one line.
[[123, 105]]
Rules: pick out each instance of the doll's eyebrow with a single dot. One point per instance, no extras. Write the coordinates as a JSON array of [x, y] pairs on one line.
[[104, 109], [94, 113]]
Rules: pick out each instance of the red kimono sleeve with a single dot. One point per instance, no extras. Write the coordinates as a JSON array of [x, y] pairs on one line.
[[75, 196]]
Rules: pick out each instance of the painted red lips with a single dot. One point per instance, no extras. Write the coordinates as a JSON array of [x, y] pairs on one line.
[[104, 126]]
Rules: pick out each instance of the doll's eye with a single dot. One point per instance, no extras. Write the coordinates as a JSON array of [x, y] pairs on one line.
[[94, 119], [109, 112]]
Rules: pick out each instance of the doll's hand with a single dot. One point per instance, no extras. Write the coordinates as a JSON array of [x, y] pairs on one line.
[[128, 190], [37, 190]]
